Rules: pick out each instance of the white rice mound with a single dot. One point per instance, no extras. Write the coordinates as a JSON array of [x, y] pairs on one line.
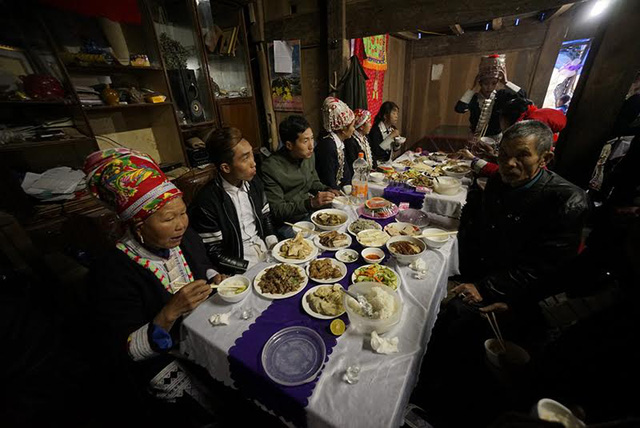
[[383, 304]]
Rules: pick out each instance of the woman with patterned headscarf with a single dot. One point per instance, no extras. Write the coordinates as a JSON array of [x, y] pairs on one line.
[[332, 168], [359, 142], [154, 276]]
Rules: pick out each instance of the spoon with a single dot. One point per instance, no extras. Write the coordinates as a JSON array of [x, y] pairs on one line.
[[366, 306]]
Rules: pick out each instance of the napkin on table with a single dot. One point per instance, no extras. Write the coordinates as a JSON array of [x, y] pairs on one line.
[[382, 345], [220, 319]]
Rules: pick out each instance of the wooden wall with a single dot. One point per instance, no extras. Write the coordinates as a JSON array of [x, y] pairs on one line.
[[431, 102], [393, 89]]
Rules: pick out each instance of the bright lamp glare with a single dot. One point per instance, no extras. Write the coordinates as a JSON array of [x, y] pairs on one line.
[[599, 7]]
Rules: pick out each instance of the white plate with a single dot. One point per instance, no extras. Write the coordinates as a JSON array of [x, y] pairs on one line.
[[410, 183], [276, 253], [316, 241], [399, 281], [377, 225], [399, 225], [259, 276], [384, 237], [307, 308], [336, 263]]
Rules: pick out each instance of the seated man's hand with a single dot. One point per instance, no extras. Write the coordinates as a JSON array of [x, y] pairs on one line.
[[219, 278], [335, 192], [322, 199], [466, 154], [468, 293]]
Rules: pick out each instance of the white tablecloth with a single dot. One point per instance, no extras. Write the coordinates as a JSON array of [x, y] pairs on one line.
[[386, 381], [442, 205]]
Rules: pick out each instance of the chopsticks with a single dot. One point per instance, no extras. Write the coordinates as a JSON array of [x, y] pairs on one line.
[[496, 329], [213, 286], [305, 229], [434, 235]]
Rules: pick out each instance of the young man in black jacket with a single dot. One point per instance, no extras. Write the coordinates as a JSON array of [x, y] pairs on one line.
[[231, 212]]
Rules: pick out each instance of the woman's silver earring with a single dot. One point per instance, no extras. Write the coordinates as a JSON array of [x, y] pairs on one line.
[[141, 238]]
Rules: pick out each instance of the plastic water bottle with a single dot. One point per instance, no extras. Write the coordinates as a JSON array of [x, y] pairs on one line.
[[360, 181]]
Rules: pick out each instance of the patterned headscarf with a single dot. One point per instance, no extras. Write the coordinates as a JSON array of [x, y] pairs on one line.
[[362, 116], [336, 114], [128, 181], [491, 66]]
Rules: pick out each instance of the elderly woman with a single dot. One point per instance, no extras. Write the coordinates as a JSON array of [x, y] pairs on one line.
[[359, 141], [332, 168], [154, 276]]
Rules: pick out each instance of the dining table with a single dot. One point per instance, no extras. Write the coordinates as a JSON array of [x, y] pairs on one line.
[[448, 206], [232, 354]]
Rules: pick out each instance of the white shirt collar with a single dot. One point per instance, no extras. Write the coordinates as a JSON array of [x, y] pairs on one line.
[[383, 128], [228, 187], [337, 140]]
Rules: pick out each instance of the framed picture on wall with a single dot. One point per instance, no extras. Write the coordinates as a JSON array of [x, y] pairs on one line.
[[286, 88]]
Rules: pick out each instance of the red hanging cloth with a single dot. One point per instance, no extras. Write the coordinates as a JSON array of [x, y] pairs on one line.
[[124, 11]]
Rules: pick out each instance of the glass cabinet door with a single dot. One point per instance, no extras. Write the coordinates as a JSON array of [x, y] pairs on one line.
[[180, 49], [225, 46]]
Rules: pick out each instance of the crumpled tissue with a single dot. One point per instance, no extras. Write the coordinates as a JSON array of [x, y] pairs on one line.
[[220, 319], [418, 264], [382, 345]]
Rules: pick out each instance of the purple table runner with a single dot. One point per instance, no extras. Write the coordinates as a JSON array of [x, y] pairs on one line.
[[402, 193], [245, 357]]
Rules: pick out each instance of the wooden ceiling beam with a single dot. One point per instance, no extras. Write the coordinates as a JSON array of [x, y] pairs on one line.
[[509, 38], [383, 16], [367, 18]]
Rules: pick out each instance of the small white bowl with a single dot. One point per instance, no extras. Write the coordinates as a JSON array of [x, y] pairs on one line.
[[347, 255], [231, 296], [435, 241], [406, 258], [307, 225], [376, 177], [341, 202], [369, 251], [334, 211], [447, 185], [551, 411], [514, 356]]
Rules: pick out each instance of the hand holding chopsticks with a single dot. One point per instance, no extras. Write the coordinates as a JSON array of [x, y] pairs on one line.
[[493, 322]]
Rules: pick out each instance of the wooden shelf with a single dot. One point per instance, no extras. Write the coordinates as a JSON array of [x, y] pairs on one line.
[[44, 143], [107, 69], [90, 109], [36, 103]]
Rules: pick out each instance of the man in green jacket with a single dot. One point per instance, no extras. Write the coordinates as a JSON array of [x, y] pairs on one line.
[[290, 179]]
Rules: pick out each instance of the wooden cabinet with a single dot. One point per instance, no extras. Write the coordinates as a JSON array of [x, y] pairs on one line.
[[241, 113]]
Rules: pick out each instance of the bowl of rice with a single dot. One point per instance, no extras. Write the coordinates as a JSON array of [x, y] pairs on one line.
[[386, 308]]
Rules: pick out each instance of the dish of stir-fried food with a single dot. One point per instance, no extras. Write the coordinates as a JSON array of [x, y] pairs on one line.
[[333, 239], [281, 279], [324, 269], [327, 219], [405, 248]]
